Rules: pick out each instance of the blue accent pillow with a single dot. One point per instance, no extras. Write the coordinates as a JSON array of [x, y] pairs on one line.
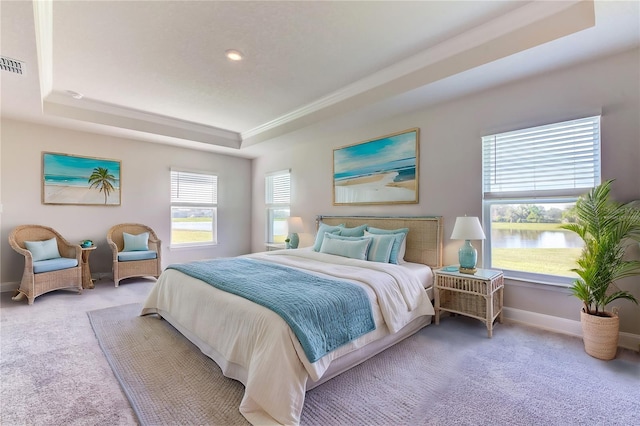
[[352, 247], [135, 242], [400, 234], [322, 229], [43, 250], [381, 246], [357, 231]]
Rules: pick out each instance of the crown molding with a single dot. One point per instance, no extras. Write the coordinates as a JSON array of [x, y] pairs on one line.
[[43, 19]]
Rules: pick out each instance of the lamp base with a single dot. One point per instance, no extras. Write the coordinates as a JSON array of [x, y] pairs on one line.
[[467, 257], [294, 240]]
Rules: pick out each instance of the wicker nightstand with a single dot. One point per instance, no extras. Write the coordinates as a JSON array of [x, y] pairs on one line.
[[477, 296]]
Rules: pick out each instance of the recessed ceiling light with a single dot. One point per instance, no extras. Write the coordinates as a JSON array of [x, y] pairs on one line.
[[75, 95], [233, 55]]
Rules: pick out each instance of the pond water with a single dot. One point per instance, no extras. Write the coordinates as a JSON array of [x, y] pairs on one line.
[[507, 238]]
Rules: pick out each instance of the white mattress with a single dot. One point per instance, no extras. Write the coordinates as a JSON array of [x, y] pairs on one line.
[[424, 273]]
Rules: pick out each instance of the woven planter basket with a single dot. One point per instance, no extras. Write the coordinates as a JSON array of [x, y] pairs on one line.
[[600, 335]]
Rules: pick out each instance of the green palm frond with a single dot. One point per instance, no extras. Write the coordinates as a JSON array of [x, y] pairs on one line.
[[606, 227], [101, 179]]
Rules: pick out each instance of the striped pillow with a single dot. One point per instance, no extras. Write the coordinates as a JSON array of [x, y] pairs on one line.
[[380, 248], [400, 235]]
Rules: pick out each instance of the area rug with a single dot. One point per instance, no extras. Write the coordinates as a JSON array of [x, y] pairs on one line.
[[446, 374]]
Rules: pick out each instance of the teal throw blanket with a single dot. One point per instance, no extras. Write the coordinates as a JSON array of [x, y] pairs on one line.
[[323, 313]]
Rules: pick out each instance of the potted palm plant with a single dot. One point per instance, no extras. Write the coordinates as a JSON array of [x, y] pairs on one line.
[[607, 229]]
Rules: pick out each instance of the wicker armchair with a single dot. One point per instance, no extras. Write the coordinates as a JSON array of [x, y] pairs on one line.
[[34, 284], [134, 268]]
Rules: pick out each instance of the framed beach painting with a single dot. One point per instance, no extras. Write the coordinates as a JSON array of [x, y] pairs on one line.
[[72, 179], [378, 171]]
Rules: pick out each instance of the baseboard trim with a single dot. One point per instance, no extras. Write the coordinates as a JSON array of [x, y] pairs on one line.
[[9, 286], [564, 326]]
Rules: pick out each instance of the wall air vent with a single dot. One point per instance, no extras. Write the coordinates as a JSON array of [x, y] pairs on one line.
[[11, 65]]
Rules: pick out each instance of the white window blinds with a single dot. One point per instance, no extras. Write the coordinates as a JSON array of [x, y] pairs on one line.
[[561, 159], [278, 188], [193, 188]]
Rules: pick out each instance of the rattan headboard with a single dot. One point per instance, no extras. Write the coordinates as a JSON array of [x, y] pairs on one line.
[[424, 241]]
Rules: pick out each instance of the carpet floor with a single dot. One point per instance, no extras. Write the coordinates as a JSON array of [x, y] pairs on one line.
[[446, 374], [52, 370]]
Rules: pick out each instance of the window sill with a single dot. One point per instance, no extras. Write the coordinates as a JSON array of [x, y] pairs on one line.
[[192, 246], [540, 284], [275, 246]]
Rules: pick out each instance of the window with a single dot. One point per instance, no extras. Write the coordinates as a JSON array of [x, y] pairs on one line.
[[194, 204], [531, 180], [277, 200]]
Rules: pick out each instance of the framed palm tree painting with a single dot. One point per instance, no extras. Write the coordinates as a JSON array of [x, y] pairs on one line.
[[72, 179]]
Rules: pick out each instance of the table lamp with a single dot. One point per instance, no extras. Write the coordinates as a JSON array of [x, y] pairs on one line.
[[294, 225], [467, 228]]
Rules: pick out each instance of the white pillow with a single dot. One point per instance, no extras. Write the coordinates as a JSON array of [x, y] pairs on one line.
[[43, 250], [401, 252], [352, 247]]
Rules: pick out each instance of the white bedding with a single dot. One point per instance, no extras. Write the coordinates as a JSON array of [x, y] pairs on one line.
[[424, 273], [255, 346]]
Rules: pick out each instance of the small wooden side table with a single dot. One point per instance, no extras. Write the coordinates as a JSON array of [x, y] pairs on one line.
[[478, 295], [87, 282]]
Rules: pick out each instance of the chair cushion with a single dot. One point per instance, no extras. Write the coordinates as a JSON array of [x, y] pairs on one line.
[[43, 250], [49, 265], [139, 242], [126, 256]]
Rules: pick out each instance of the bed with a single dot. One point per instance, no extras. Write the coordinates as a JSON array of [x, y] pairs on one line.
[[256, 346]]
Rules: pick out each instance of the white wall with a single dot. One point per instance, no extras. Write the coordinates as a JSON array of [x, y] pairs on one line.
[[145, 193], [450, 158]]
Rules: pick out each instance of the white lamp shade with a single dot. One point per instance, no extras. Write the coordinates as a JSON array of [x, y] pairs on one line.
[[294, 224], [467, 228]]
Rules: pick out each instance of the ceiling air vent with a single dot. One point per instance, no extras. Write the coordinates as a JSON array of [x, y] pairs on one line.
[[11, 65]]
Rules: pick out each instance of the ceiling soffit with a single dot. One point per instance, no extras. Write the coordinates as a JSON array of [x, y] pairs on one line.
[[531, 25]]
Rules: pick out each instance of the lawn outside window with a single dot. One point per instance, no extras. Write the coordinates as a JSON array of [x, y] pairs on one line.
[[277, 201], [194, 207]]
